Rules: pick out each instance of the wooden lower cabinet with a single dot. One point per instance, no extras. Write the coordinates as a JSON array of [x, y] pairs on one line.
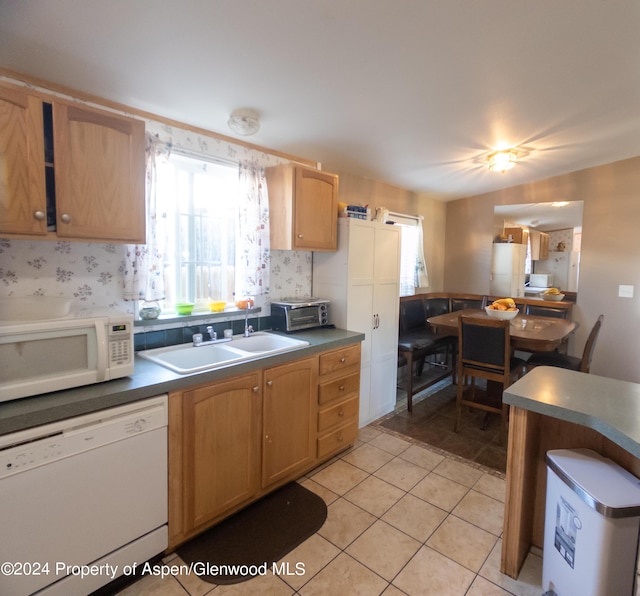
[[338, 400], [289, 420], [235, 440], [214, 451]]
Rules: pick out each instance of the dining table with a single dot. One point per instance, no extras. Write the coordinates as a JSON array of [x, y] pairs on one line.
[[528, 333]]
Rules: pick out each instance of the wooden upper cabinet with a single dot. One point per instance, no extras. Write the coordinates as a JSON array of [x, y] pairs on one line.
[[303, 208], [99, 172], [93, 188], [22, 179], [539, 245]]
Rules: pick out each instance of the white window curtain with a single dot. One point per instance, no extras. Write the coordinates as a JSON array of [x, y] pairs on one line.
[[413, 267], [253, 250], [144, 263]]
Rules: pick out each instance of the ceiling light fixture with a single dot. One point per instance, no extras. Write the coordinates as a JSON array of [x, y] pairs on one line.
[[244, 121], [503, 160]]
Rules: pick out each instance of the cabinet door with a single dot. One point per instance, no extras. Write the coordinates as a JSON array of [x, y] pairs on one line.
[[384, 342], [387, 255], [99, 171], [315, 210], [221, 449], [22, 179], [384, 350], [544, 246], [289, 419]]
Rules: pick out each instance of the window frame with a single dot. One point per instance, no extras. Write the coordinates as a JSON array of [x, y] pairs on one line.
[[184, 230]]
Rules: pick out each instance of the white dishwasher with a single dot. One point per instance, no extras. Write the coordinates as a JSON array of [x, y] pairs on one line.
[[86, 496]]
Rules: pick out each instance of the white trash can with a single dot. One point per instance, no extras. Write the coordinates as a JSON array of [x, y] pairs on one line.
[[592, 524]]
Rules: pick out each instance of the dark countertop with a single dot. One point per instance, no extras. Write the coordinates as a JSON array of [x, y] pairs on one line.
[[149, 380], [608, 406]]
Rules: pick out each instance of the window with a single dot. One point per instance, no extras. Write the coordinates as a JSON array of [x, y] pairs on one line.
[[408, 256], [413, 268], [200, 199]]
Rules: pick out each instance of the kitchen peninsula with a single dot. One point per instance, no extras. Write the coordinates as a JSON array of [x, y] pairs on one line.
[[553, 408]]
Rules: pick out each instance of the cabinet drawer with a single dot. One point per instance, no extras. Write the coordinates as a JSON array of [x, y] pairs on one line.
[[339, 359], [338, 414], [339, 388], [339, 439]]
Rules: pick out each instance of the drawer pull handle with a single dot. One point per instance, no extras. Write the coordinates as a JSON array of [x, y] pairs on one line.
[[343, 360], [341, 388], [341, 413]]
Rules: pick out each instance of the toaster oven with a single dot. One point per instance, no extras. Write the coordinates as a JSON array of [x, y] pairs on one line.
[[294, 314]]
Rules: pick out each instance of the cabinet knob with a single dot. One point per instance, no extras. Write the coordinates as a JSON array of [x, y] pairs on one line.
[[341, 413], [269, 383], [341, 388], [343, 360], [340, 439], [65, 218], [39, 215], [256, 389], [300, 236]]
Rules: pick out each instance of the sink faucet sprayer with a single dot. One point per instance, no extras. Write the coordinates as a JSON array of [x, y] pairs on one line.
[[248, 329]]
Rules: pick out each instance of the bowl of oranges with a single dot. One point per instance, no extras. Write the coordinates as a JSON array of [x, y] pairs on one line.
[[503, 308]]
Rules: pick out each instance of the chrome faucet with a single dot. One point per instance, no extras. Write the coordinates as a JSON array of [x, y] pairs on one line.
[[198, 339]]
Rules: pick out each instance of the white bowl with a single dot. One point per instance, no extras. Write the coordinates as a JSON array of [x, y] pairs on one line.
[[501, 314], [556, 297]]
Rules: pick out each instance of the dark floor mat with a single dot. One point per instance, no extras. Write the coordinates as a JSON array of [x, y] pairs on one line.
[[247, 543]]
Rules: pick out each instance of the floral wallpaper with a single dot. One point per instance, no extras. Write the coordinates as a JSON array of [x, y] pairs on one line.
[[92, 274]]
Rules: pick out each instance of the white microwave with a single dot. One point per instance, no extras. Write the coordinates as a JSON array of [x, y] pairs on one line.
[[42, 356], [541, 280]]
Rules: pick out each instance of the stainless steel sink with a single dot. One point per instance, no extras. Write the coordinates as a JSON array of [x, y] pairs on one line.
[[186, 358]]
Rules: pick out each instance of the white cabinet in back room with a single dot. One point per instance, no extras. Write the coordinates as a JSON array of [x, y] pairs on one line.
[[362, 281]]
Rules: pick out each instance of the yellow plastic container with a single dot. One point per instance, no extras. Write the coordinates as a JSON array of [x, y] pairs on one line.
[[217, 305]]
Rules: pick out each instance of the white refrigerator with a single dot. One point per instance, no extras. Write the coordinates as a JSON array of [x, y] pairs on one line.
[[507, 270]]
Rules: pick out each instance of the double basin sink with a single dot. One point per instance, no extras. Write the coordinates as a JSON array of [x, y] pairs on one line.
[[186, 358]]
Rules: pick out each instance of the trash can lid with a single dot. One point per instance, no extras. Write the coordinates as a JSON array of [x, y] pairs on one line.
[[600, 482]]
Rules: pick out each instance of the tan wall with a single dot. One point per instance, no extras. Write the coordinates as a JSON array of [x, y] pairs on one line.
[[363, 191], [610, 254]]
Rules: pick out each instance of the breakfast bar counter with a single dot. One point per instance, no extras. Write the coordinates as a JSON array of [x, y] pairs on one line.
[[554, 408]]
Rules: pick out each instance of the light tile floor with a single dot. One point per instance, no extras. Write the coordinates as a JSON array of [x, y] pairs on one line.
[[402, 519]]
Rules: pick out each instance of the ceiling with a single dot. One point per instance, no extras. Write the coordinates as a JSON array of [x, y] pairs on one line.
[[542, 216], [415, 93]]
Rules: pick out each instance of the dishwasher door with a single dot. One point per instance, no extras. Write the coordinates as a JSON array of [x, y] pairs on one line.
[[82, 494]]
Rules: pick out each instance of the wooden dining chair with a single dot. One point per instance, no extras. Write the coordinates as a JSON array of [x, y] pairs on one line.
[[484, 351], [564, 360]]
